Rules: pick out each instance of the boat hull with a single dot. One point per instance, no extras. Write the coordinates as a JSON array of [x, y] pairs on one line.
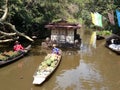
[[42, 74], [113, 43]]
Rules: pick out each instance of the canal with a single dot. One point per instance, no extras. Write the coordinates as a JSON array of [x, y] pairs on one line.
[[86, 69]]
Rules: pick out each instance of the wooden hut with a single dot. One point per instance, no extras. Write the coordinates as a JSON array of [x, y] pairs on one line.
[[63, 32]]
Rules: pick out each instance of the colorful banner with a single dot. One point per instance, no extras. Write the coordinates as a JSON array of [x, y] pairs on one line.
[[97, 19], [111, 18], [93, 18], [118, 17]]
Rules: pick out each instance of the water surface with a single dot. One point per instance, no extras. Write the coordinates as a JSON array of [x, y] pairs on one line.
[[86, 69]]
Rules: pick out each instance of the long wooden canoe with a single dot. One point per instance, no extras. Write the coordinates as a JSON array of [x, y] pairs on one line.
[[46, 68], [11, 59]]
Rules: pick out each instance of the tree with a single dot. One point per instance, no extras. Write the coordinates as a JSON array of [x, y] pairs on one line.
[[8, 31], [30, 16]]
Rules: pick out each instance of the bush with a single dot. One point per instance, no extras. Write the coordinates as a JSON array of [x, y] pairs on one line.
[[104, 33]]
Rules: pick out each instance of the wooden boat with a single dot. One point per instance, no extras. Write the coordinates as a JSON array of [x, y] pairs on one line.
[[103, 34], [100, 37], [113, 43], [11, 58], [45, 69]]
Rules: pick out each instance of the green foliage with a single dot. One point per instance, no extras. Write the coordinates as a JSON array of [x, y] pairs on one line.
[[104, 33], [30, 16]]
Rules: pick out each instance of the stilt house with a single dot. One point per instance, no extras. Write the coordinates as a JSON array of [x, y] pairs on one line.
[[63, 32]]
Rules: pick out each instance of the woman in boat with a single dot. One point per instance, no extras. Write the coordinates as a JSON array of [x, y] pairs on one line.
[[18, 46], [55, 50]]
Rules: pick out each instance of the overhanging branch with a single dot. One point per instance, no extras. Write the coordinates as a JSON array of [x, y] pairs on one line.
[[17, 32], [7, 34], [8, 40], [5, 12]]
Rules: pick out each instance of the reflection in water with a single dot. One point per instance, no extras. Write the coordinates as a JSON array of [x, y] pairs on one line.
[[85, 49], [84, 73]]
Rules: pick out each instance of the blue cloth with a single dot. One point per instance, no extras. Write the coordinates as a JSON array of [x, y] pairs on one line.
[[118, 17], [55, 50]]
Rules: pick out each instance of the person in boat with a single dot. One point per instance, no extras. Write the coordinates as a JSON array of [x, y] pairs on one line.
[[18, 46], [55, 50]]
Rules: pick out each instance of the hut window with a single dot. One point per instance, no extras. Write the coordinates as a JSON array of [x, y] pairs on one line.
[[69, 32], [56, 32], [52, 31], [62, 32]]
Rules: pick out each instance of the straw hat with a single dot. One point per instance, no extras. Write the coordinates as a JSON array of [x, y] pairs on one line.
[[16, 42], [54, 45]]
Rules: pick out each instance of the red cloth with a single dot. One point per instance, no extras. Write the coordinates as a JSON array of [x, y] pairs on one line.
[[18, 47]]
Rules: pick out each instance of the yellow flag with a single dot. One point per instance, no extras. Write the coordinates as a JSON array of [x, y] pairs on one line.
[[93, 17], [96, 19]]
